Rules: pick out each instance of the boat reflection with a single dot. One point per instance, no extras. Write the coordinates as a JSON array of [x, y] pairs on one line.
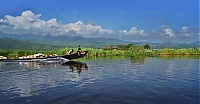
[[76, 65], [73, 65]]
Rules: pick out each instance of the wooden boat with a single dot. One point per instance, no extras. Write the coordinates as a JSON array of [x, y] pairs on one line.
[[74, 55], [68, 57]]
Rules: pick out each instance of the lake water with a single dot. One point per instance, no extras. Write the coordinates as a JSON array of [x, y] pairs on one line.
[[151, 80]]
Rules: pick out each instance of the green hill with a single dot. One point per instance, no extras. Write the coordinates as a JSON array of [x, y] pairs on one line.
[[14, 44], [65, 40]]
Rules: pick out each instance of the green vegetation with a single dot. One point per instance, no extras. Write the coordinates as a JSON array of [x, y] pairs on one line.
[[106, 53], [128, 50], [184, 51], [141, 52]]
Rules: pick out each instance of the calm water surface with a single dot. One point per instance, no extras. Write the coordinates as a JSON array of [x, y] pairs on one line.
[[102, 80]]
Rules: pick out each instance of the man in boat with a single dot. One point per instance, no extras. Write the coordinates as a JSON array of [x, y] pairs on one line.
[[71, 51], [79, 51]]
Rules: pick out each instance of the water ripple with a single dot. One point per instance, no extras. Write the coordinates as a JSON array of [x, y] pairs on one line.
[[153, 80]]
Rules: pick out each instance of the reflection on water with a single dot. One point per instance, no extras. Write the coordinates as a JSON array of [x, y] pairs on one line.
[[138, 59], [29, 78], [151, 80], [75, 65], [40, 65]]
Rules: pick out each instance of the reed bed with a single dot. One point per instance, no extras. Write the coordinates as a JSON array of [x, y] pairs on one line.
[[106, 53]]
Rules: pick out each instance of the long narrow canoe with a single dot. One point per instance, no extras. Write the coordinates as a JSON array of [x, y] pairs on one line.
[[74, 55], [68, 57]]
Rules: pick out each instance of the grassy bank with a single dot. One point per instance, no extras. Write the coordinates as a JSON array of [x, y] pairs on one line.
[[144, 52], [106, 53]]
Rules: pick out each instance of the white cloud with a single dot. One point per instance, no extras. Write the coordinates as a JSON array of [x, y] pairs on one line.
[[24, 21], [1, 20], [133, 31], [184, 34], [185, 31], [166, 31], [169, 32], [82, 28], [134, 34], [30, 23]]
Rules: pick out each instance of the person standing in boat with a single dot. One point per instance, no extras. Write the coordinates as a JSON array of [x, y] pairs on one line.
[[79, 51]]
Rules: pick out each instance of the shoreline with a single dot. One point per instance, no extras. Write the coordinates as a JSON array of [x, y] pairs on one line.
[[15, 54]]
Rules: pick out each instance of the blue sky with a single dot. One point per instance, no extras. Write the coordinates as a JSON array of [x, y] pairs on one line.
[[133, 20]]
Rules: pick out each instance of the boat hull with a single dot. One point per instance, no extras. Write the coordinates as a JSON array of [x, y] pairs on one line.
[[74, 56]]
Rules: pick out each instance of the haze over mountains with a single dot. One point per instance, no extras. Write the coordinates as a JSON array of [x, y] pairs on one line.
[[27, 41]]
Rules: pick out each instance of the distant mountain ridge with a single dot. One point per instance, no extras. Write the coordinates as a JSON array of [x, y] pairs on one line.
[[15, 44], [68, 41], [170, 44]]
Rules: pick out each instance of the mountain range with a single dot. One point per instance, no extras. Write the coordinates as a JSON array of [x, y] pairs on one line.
[[27, 41], [15, 44], [65, 40]]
